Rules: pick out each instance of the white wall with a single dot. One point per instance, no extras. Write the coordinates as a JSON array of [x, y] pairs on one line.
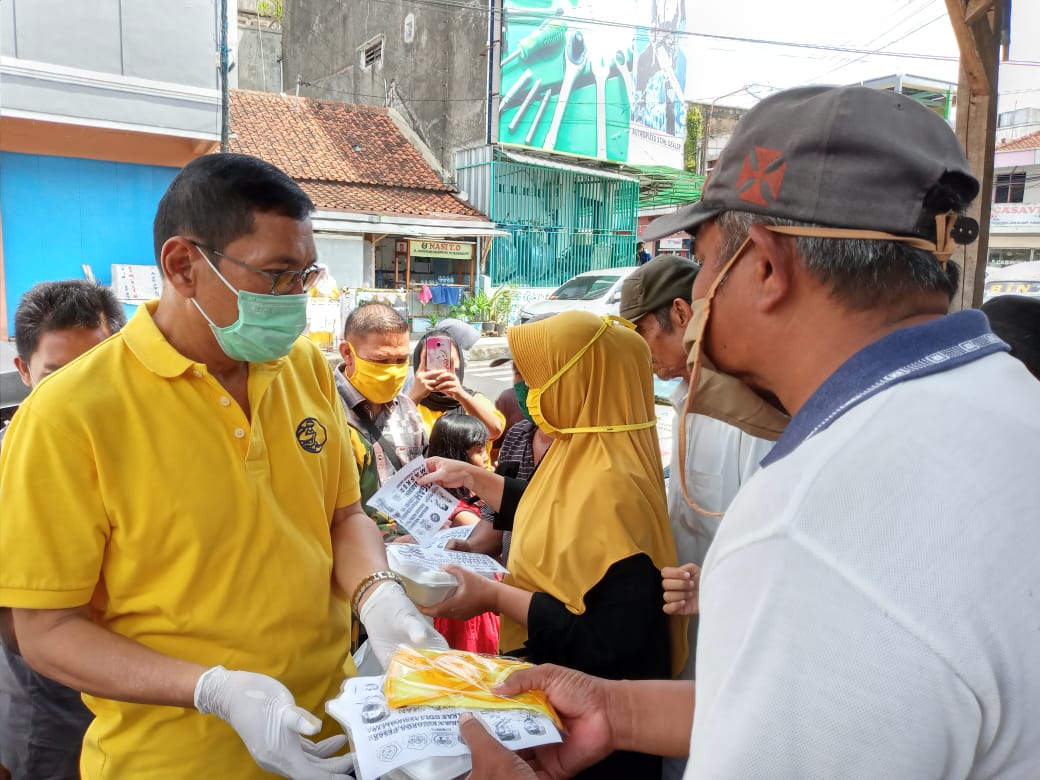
[[130, 63], [344, 256]]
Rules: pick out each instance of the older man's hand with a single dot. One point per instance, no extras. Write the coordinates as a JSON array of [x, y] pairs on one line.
[[491, 761]]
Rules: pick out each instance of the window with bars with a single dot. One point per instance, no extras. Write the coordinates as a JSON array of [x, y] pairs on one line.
[[371, 53], [1010, 187]]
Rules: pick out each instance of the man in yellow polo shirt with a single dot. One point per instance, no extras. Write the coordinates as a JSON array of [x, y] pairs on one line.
[[180, 532]]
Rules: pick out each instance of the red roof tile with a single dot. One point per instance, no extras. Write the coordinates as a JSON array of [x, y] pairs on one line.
[[375, 199], [1031, 141], [313, 141]]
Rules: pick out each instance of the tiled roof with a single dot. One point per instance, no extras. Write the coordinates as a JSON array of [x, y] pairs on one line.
[[313, 141], [377, 199], [1031, 141]]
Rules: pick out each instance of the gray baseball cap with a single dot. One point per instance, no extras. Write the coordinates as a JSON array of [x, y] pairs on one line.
[[842, 157]]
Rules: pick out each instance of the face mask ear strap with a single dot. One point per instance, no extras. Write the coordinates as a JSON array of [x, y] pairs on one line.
[[538, 391], [214, 267], [695, 375], [942, 248]]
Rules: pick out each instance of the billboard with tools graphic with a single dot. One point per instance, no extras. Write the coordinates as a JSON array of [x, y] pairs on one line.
[[593, 78]]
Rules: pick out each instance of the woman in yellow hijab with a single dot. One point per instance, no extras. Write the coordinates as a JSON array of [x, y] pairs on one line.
[[591, 531]]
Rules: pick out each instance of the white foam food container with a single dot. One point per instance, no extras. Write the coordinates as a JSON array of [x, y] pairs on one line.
[[424, 586]]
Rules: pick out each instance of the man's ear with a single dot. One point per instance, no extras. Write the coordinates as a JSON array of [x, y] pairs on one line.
[[774, 264], [23, 371], [347, 354], [179, 259], [680, 314]]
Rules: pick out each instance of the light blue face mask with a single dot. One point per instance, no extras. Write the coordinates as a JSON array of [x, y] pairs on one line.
[[267, 325]]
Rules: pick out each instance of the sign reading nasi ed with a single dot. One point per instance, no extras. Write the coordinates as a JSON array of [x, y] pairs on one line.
[[459, 250]]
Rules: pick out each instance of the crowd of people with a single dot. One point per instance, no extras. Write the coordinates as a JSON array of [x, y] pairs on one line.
[[836, 579]]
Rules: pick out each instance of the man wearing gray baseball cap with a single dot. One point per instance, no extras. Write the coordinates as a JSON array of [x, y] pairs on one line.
[[870, 606]]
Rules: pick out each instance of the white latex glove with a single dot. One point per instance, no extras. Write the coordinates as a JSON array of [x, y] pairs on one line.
[[266, 717], [391, 619]]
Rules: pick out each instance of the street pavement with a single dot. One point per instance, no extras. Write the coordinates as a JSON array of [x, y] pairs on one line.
[[480, 376]]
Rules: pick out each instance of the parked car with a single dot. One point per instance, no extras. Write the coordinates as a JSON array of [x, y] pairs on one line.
[[1017, 279], [595, 291]]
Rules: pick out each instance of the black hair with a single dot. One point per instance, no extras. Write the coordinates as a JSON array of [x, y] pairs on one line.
[[1016, 319], [374, 318], [454, 435], [214, 199], [73, 303]]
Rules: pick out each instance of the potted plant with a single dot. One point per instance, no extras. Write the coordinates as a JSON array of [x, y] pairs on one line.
[[465, 310], [501, 304]]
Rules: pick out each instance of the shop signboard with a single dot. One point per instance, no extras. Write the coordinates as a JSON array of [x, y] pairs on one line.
[[596, 79], [457, 250], [1015, 218]]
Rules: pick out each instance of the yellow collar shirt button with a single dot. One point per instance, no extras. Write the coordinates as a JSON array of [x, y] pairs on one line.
[[225, 401], [239, 433]]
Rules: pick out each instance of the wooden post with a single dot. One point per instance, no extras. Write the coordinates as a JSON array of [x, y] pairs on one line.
[[977, 25]]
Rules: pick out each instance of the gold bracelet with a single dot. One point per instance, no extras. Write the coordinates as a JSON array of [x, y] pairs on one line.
[[367, 583]]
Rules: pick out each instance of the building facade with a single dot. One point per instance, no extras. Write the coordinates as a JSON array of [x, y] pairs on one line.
[[430, 62], [1015, 218], [98, 113]]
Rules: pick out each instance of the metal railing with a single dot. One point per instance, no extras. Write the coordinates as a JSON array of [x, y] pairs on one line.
[[561, 221]]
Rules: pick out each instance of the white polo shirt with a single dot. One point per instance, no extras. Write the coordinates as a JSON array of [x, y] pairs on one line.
[[870, 607]]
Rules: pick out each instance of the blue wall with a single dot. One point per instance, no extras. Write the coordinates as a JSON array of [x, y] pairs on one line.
[[60, 212]]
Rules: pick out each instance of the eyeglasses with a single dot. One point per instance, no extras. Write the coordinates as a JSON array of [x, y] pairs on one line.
[[282, 282]]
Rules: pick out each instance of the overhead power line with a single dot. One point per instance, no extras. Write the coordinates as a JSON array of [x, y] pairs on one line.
[[540, 15]]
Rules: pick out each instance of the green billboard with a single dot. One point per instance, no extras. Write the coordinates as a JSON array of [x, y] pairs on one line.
[[597, 79]]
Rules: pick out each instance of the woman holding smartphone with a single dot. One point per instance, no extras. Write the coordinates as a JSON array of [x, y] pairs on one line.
[[438, 390]]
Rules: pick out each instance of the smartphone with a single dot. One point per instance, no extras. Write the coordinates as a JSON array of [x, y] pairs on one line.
[[438, 353]]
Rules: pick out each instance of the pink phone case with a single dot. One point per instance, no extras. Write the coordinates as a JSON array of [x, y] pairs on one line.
[[438, 353]]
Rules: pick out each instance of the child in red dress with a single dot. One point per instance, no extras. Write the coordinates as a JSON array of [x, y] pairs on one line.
[[465, 438]]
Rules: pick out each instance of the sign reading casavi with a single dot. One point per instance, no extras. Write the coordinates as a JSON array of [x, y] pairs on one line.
[[459, 250], [1015, 218]]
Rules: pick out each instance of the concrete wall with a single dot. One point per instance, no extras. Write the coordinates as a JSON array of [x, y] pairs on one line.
[[434, 65], [258, 60], [132, 64]]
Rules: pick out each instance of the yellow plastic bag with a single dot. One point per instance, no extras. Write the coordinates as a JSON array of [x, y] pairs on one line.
[[456, 678]]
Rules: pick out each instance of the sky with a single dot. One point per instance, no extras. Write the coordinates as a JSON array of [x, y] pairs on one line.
[[752, 71]]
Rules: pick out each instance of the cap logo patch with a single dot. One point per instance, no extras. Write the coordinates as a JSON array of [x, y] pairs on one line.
[[761, 176]]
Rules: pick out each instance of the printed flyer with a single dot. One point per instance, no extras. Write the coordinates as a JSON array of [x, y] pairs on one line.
[[386, 739], [422, 511]]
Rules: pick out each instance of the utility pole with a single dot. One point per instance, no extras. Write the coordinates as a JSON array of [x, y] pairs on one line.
[[225, 97], [981, 28]]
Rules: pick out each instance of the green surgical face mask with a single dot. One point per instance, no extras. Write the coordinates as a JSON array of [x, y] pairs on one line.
[[267, 325], [520, 388]]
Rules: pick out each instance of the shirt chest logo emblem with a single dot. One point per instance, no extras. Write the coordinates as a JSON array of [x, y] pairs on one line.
[[311, 435]]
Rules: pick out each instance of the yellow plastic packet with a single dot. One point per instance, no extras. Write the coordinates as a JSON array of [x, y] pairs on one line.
[[456, 678]]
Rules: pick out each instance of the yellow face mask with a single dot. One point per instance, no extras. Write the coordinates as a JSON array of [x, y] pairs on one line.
[[380, 383], [534, 394]]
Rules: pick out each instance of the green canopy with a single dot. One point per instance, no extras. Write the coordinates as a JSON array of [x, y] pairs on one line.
[[660, 185]]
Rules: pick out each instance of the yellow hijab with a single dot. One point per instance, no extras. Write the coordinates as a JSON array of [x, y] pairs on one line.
[[596, 498]]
